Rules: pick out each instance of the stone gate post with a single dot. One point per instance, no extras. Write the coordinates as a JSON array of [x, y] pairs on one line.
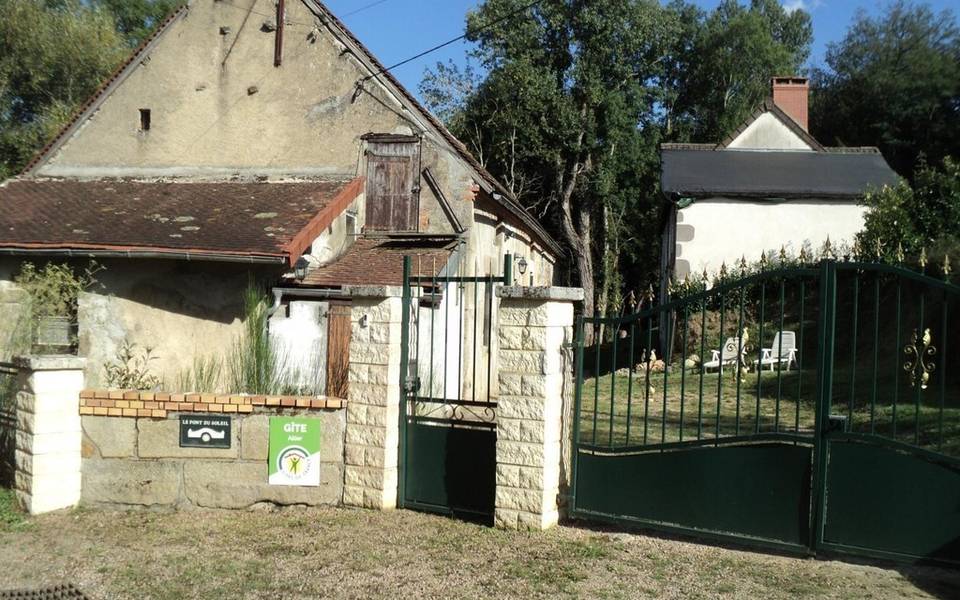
[[49, 436], [373, 407], [535, 331]]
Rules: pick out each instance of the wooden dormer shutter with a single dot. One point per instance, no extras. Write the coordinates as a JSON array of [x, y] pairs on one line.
[[392, 194]]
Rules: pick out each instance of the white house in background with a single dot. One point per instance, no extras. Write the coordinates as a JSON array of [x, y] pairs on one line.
[[769, 185]]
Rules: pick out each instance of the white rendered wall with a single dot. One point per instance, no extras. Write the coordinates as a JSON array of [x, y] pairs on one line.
[[711, 232], [767, 132]]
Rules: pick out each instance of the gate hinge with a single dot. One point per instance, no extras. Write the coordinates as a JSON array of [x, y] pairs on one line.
[[411, 385], [837, 423]]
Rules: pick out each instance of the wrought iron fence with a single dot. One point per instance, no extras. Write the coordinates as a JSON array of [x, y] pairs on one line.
[[743, 358]]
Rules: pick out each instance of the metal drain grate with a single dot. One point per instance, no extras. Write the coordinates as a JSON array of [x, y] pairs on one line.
[[56, 592]]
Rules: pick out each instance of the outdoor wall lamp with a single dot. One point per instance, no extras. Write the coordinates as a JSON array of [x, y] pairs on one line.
[[363, 321], [522, 265], [300, 268]]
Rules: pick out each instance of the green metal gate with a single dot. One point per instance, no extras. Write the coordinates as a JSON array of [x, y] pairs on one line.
[[810, 408], [448, 429]]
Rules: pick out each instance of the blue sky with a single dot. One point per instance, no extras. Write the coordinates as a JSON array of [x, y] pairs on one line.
[[397, 29]]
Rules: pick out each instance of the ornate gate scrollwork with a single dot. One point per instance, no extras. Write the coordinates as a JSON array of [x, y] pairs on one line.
[[920, 363]]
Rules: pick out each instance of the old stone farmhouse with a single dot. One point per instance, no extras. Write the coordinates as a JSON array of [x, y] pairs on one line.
[[255, 140], [768, 185]]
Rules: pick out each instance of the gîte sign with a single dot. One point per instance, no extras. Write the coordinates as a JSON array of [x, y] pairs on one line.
[[205, 431], [294, 451]]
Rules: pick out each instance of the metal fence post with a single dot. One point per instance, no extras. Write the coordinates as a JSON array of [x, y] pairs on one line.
[[404, 384], [827, 327], [577, 396]]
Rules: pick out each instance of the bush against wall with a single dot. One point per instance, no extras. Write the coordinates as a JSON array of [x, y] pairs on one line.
[[52, 293]]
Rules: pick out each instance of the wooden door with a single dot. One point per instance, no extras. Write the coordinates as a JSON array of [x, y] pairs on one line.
[[338, 349], [392, 183]]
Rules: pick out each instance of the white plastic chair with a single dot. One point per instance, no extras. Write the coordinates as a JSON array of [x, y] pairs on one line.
[[726, 355], [782, 350]]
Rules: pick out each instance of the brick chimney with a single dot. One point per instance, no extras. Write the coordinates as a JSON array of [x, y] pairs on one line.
[[791, 95]]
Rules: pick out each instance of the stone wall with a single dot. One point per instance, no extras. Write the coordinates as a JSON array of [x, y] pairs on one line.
[[138, 462]]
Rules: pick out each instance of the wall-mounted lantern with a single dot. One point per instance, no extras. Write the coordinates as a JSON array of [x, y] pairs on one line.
[[522, 265], [300, 268]]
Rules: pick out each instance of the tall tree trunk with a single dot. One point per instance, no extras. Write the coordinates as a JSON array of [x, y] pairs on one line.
[[577, 225]]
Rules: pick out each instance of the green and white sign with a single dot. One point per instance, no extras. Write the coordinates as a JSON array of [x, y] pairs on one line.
[[294, 451]]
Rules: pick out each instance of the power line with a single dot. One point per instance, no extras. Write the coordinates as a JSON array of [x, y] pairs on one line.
[[456, 39], [362, 8]]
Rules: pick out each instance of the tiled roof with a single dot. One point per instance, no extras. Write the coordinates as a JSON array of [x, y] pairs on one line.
[[379, 261], [506, 199], [266, 220], [772, 174]]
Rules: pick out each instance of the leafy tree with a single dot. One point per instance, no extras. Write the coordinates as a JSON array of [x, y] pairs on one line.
[[559, 116], [908, 219], [53, 55], [893, 82], [135, 19], [723, 63], [577, 97]]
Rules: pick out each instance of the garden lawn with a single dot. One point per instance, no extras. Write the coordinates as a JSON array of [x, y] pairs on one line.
[[345, 553], [786, 405]]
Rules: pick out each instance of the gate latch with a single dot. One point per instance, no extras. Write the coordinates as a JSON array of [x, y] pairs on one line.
[[411, 385], [836, 423]]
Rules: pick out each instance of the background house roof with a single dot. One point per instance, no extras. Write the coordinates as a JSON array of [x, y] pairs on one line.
[[268, 221], [379, 261], [697, 173]]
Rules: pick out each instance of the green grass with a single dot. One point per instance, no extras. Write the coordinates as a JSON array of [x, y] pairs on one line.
[[10, 515], [621, 410]]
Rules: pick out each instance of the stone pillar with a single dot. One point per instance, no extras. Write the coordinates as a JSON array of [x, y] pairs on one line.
[[49, 434], [535, 329], [373, 406]]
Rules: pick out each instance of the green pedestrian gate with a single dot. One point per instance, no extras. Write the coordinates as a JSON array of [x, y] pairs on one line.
[[448, 430], [811, 408]]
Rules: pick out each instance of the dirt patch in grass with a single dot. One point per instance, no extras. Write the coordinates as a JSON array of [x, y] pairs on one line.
[[310, 553]]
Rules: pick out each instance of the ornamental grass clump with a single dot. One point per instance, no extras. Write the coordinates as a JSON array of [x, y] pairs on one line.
[[255, 364]]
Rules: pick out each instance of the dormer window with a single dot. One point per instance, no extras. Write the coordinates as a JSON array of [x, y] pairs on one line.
[[393, 190]]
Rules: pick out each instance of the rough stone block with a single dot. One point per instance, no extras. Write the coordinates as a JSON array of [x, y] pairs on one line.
[[48, 465], [217, 484], [520, 407], [520, 453], [508, 475], [521, 361], [255, 435], [354, 455], [510, 384], [111, 437], [520, 499], [505, 518], [161, 439], [537, 521], [48, 422], [142, 483], [49, 443]]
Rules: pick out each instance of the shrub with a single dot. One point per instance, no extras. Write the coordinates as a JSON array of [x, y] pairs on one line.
[[131, 369]]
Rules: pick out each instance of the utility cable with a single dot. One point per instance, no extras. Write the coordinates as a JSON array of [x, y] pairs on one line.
[[362, 8], [506, 17]]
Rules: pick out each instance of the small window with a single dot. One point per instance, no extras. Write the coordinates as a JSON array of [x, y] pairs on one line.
[[144, 119]]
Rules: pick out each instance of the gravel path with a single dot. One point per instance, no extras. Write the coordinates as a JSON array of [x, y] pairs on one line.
[[344, 553]]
